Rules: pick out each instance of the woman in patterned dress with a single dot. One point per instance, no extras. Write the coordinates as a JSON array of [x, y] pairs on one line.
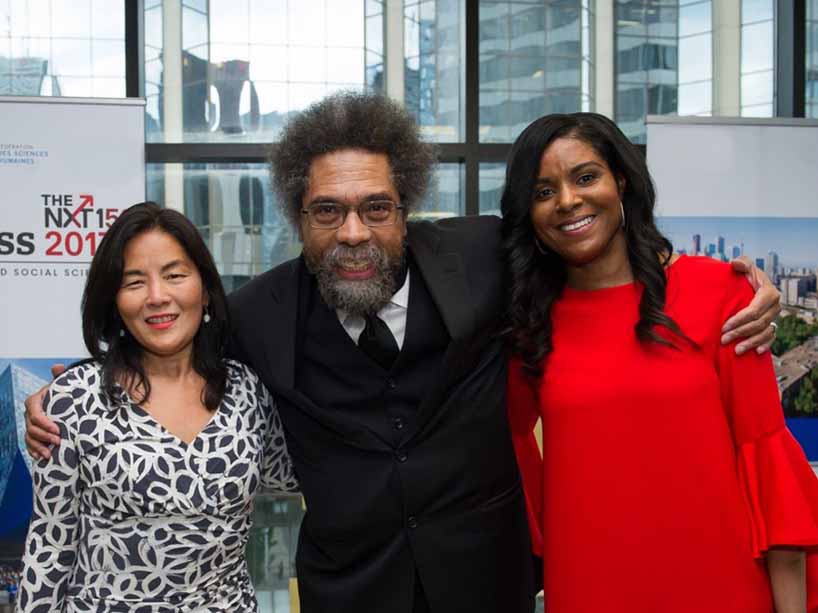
[[145, 505]]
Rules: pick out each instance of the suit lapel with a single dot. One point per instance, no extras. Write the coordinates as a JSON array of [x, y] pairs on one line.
[[280, 342], [445, 276]]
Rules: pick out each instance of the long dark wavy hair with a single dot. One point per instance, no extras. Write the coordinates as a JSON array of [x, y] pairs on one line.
[[537, 279], [120, 354]]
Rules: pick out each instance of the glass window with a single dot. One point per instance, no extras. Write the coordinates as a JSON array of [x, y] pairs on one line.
[[757, 88], [234, 208], [695, 19], [433, 66], [758, 110], [492, 180], [242, 66], [445, 195], [661, 45], [271, 549], [756, 10], [534, 59], [695, 59], [757, 52], [62, 48], [757, 58], [695, 98]]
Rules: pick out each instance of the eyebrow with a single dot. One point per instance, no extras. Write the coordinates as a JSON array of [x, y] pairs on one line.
[[575, 169], [369, 198], [135, 272]]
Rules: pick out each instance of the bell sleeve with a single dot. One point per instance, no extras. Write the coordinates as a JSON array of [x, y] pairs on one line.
[[523, 413], [779, 486]]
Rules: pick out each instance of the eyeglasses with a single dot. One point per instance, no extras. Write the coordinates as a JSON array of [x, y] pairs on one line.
[[332, 215]]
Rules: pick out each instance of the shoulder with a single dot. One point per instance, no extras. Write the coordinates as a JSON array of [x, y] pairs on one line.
[[85, 376], [246, 391], [243, 382], [240, 372], [75, 392], [261, 286], [710, 280], [471, 228], [477, 238]]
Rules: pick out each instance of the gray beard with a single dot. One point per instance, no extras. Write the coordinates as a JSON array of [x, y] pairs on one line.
[[363, 297]]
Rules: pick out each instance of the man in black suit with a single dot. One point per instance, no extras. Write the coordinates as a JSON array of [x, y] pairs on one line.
[[380, 345], [380, 342]]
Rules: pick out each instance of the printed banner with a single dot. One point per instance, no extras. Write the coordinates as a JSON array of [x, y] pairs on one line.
[[67, 167], [731, 187]]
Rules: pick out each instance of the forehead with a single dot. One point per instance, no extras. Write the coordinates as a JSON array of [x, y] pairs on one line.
[[566, 152], [154, 247], [349, 175]]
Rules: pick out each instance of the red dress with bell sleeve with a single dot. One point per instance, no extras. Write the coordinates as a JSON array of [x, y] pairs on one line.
[[666, 473]]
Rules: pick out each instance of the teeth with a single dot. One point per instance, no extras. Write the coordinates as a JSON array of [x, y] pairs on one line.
[[161, 320], [578, 224]]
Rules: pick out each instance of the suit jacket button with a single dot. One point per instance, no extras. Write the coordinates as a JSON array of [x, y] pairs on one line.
[[398, 423], [402, 457], [391, 383], [412, 522]]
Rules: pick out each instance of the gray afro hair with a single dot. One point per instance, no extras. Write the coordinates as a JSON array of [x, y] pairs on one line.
[[351, 120]]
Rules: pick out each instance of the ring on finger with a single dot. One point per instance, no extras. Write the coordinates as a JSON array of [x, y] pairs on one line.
[[774, 327]]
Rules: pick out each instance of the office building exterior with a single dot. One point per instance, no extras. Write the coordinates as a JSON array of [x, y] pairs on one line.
[[16, 384]]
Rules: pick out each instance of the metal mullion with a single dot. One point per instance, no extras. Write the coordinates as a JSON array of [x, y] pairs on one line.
[[157, 153], [790, 57], [486, 152], [134, 48], [207, 153], [472, 93]]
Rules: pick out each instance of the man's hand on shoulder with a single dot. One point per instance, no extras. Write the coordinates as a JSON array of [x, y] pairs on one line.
[[753, 323], [41, 432]]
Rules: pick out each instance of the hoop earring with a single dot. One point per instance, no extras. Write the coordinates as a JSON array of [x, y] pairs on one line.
[[539, 246], [622, 209]]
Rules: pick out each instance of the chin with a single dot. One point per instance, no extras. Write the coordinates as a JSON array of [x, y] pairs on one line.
[[579, 259]]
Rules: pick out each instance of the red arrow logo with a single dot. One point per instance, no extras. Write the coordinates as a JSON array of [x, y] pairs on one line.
[[86, 200]]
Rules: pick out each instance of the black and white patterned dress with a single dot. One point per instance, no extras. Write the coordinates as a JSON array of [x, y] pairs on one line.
[[129, 518]]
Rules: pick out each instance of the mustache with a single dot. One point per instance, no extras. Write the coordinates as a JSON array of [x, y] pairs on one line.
[[342, 254]]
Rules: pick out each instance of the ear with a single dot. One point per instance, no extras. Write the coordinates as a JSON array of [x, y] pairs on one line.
[[620, 184]]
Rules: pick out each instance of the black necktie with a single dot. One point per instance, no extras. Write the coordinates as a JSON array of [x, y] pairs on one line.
[[378, 343]]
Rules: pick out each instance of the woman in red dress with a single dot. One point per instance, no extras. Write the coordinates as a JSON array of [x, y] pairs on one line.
[[668, 482]]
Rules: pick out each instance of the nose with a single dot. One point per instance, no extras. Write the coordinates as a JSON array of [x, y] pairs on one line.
[[157, 295], [353, 231], [568, 199]]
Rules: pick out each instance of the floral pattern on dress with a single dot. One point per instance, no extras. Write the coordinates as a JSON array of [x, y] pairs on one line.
[[130, 518]]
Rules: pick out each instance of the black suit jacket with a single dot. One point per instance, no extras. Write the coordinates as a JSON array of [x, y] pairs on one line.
[[455, 513]]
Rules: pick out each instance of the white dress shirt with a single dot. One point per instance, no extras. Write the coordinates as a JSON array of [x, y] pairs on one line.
[[393, 314]]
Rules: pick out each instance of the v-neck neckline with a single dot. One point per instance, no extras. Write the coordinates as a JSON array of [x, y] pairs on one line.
[[162, 428]]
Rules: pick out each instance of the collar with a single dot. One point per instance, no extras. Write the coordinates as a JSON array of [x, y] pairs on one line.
[[399, 299]]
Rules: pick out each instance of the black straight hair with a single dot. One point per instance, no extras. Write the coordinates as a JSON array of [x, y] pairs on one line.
[[537, 279], [120, 354]]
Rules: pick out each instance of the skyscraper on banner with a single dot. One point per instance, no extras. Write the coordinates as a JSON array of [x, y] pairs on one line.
[[16, 384]]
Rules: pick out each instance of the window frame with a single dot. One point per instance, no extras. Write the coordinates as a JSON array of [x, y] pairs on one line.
[[790, 32]]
